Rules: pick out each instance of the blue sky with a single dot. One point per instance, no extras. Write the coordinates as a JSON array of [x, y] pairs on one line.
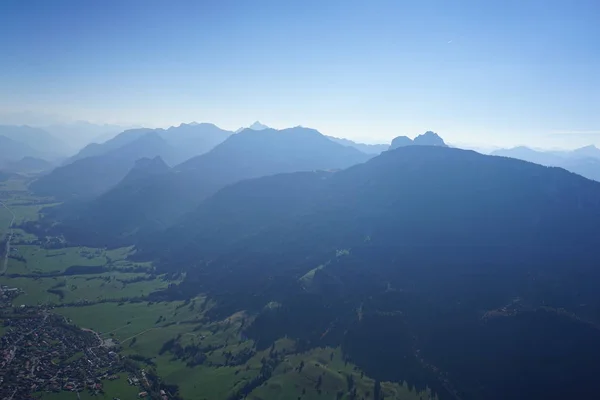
[[496, 72]]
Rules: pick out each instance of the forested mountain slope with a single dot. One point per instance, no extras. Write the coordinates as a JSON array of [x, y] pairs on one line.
[[442, 267]]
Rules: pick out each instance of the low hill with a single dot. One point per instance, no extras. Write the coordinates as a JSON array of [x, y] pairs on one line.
[[155, 203], [91, 176], [430, 265]]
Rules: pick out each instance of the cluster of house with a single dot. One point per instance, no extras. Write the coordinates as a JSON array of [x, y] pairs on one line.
[[135, 381], [41, 352], [7, 294]]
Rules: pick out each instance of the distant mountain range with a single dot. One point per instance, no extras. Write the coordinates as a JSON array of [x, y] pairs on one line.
[[91, 176], [81, 133], [187, 140], [584, 161], [51, 143], [98, 167], [32, 142], [156, 200], [365, 148]]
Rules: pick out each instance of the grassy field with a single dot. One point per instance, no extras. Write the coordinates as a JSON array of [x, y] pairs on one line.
[[112, 389], [129, 320], [77, 288], [327, 363], [40, 260], [214, 380], [116, 283]]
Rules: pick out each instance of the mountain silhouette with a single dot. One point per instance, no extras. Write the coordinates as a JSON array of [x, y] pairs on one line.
[[91, 176], [256, 126], [186, 140], [429, 138], [158, 202], [400, 141]]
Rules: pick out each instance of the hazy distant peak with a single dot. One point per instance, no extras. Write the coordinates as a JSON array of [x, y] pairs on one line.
[[401, 141], [257, 126], [429, 138], [193, 124], [587, 151]]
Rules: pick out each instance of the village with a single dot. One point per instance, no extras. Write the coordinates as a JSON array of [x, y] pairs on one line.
[[41, 352]]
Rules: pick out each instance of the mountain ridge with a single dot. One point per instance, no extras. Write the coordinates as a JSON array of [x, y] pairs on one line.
[[91, 176], [404, 261], [168, 196]]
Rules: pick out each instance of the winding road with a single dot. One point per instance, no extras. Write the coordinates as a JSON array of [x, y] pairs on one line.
[[10, 235]]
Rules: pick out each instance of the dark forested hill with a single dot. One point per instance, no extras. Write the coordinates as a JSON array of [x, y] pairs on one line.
[[158, 201], [474, 275], [91, 176]]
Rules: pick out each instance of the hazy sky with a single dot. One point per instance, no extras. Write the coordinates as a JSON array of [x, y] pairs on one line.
[[482, 71]]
